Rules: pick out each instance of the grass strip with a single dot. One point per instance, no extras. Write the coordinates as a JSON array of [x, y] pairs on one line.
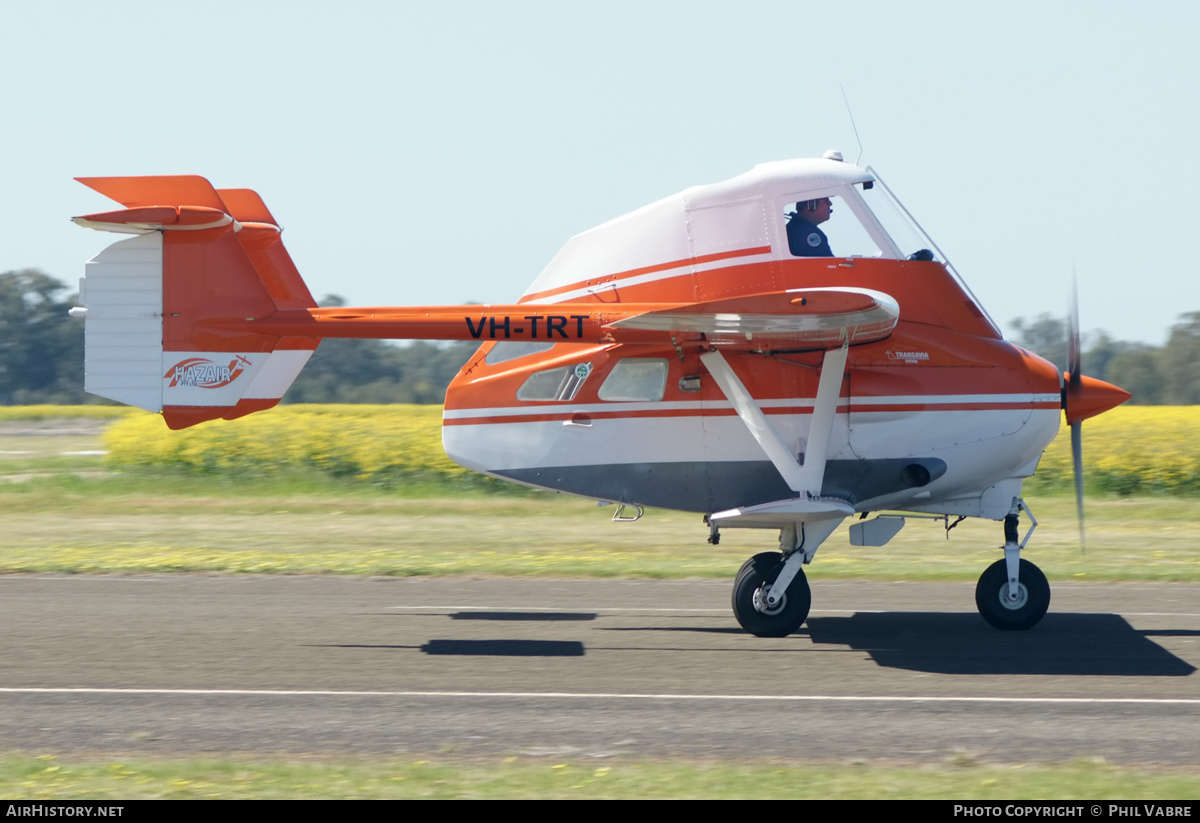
[[24, 777], [175, 523], [63, 509]]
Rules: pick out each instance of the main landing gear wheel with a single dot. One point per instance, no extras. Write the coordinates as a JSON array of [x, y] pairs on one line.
[[750, 589], [991, 596]]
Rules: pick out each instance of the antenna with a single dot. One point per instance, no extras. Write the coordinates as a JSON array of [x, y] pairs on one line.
[[852, 124]]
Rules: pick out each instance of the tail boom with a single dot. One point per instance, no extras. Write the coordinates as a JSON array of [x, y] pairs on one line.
[[203, 315]]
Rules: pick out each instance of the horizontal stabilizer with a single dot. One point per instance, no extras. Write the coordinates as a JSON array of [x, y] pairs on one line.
[[146, 219], [245, 206], [166, 190]]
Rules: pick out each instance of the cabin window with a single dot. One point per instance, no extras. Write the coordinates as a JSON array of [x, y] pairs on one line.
[[636, 378], [505, 350], [826, 227], [555, 384]]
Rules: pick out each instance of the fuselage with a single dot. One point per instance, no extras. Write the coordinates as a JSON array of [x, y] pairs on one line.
[[941, 416]]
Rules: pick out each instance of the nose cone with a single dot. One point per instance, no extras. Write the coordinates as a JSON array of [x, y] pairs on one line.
[[1090, 398]]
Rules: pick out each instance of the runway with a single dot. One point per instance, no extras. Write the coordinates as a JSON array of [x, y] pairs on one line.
[[902, 672]]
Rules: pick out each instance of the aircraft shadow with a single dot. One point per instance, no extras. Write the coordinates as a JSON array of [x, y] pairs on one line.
[[520, 616], [940, 643], [481, 648], [505, 648]]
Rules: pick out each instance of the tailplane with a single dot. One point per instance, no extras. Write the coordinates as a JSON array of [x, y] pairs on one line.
[[158, 305]]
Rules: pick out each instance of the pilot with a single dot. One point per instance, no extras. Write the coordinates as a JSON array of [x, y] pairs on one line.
[[804, 238]]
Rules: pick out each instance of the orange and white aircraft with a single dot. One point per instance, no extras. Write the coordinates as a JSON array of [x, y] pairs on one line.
[[709, 352]]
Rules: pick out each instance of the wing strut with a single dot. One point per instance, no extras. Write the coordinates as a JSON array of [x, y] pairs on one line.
[[806, 521], [805, 478]]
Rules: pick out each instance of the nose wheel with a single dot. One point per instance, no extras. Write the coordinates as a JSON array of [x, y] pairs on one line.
[[750, 606], [1008, 610]]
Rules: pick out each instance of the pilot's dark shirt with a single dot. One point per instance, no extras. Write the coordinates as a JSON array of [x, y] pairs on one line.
[[806, 240]]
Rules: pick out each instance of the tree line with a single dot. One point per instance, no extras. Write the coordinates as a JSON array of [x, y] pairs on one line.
[[1167, 375], [41, 356]]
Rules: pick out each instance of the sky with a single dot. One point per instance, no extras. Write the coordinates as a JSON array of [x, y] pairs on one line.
[[441, 153]]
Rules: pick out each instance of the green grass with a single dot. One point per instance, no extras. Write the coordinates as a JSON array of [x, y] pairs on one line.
[[165, 523], [48, 778], [69, 513], [96, 412], [44, 454]]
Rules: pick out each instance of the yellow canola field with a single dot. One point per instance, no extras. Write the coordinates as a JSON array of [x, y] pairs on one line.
[[1132, 449], [362, 441]]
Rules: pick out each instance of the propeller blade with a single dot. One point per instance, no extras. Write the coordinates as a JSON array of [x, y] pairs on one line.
[[1074, 354], [1077, 463], [1074, 393]]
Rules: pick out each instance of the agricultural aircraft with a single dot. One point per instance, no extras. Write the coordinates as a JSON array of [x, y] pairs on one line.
[[715, 352]]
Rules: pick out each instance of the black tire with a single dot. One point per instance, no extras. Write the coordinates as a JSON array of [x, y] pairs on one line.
[[990, 597], [757, 574]]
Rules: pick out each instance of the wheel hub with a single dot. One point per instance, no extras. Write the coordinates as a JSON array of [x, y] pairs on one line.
[[760, 601], [1013, 605]]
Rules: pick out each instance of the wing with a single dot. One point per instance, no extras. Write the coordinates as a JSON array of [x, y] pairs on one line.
[[818, 317]]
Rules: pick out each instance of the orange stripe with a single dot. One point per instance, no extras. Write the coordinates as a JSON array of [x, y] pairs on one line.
[[609, 278], [546, 417], [567, 415]]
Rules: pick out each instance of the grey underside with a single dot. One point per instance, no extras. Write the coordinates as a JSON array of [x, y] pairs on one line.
[[710, 487]]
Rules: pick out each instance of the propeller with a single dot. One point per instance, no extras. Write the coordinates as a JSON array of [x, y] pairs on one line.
[[1072, 394], [1083, 397]]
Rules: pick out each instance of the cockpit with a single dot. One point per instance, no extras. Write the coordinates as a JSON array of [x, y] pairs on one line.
[[858, 218], [709, 239]]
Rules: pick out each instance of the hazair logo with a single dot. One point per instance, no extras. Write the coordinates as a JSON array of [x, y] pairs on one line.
[[202, 373]]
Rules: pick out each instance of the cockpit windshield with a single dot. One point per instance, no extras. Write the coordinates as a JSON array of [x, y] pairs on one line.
[[865, 221], [909, 238], [906, 233], [860, 218]]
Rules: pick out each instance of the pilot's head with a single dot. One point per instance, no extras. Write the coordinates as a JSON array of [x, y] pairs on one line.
[[815, 211]]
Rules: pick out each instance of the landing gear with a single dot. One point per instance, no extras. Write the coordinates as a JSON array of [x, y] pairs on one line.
[[1004, 611], [1012, 594], [750, 590]]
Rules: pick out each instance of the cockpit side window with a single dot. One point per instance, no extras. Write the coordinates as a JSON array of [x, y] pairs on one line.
[[558, 384], [636, 378], [826, 227]]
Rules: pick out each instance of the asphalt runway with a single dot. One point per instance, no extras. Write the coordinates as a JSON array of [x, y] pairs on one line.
[[901, 672]]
